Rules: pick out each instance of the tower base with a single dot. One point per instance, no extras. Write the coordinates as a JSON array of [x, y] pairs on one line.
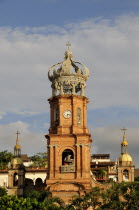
[[66, 189]]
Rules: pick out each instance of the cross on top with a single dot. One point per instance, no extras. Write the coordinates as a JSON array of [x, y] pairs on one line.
[[68, 45], [17, 133], [124, 129]]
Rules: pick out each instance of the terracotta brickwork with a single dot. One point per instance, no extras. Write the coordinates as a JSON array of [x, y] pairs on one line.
[[68, 146]]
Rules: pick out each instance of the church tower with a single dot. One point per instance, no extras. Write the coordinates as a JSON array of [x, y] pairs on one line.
[[125, 163], [16, 172], [68, 139]]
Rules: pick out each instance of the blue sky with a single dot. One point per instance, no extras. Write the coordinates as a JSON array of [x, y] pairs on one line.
[[104, 36], [59, 12]]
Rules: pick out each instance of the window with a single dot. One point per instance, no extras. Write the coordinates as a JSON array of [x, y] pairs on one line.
[[126, 175]]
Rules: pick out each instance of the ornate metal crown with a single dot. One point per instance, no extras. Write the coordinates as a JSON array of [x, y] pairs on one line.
[[68, 78]]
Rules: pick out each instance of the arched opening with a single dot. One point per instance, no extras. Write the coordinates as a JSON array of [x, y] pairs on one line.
[[67, 157], [39, 182], [29, 182], [15, 181], [125, 175]]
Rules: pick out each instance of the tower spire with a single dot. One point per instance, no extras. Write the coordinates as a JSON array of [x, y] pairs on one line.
[[124, 144], [17, 148], [124, 131], [17, 140]]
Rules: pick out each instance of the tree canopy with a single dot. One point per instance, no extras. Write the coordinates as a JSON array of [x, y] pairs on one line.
[[3, 191], [40, 159], [123, 196], [5, 158]]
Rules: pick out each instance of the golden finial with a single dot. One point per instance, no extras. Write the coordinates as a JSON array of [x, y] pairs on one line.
[[68, 45], [124, 142]]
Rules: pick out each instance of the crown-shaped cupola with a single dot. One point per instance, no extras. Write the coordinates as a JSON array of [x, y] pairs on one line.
[[67, 77]]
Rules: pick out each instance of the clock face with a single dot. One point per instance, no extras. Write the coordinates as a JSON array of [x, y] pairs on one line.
[[67, 113]]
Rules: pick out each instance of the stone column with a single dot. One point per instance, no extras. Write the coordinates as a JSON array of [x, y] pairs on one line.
[[78, 161], [10, 179], [83, 160], [73, 115], [56, 165], [84, 115], [51, 161], [59, 127]]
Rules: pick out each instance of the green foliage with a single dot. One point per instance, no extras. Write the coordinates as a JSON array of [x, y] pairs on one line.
[[111, 198], [40, 159], [137, 179], [119, 196], [13, 202], [3, 191], [131, 195], [20, 203], [32, 194], [5, 158], [46, 200], [39, 195], [54, 203], [91, 199]]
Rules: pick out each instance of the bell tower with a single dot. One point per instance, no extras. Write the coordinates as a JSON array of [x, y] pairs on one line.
[[16, 172], [68, 140], [125, 165]]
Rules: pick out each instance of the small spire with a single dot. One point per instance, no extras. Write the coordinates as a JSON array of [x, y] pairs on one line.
[[17, 148], [124, 129], [17, 140], [124, 143], [124, 136]]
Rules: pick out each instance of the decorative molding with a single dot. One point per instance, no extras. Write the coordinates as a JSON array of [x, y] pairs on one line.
[[82, 145], [54, 145]]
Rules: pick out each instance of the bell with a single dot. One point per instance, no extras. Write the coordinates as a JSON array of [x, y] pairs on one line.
[[68, 159]]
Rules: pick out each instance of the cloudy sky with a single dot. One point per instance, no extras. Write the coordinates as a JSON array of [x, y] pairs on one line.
[[104, 35]]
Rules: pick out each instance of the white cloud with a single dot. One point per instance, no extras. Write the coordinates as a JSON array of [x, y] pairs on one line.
[[30, 142], [2, 115], [108, 139], [110, 50], [27, 113]]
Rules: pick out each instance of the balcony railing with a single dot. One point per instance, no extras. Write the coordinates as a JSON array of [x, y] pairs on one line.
[[67, 169]]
